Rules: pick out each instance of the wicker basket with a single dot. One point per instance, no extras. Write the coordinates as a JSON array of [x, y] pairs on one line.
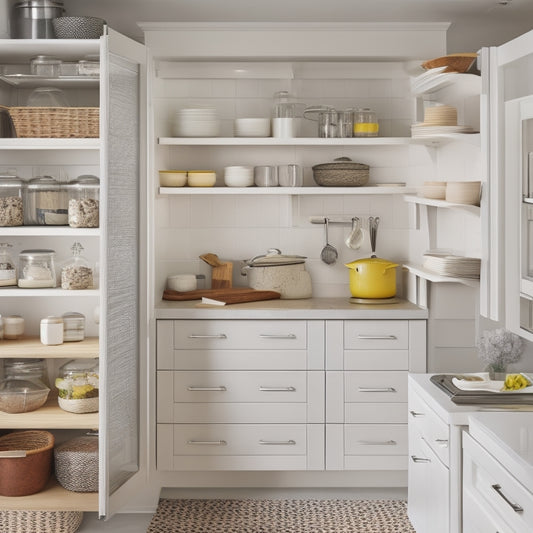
[[40, 521], [56, 122], [452, 62], [79, 406], [25, 473], [76, 464]]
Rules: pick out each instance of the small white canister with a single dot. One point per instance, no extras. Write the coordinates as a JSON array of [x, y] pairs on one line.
[[52, 330], [182, 282]]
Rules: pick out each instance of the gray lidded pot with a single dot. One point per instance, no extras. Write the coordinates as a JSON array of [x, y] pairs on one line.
[[32, 19]]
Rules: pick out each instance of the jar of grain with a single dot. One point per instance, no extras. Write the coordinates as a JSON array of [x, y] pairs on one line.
[[73, 326], [83, 202], [77, 274], [11, 208], [37, 269], [45, 202]]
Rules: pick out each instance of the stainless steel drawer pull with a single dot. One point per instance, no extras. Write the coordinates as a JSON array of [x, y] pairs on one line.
[[208, 442], [377, 337], [221, 388], [414, 414], [277, 442], [514, 506], [377, 442], [277, 389], [288, 336], [442, 442], [416, 459], [219, 336], [372, 389]]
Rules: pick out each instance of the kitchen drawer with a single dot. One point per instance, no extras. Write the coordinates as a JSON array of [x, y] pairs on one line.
[[240, 334], [481, 519], [376, 359], [376, 335], [494, 487], [375, 439], [430, 427], [375, 387], [375, 413]]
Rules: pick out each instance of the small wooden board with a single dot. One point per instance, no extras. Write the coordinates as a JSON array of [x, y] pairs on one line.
[[233, 295]]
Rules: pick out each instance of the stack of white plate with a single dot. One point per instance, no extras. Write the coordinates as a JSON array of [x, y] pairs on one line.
[[239, 176], [453, 265], [196, 122], [252, 127], [423, 130]]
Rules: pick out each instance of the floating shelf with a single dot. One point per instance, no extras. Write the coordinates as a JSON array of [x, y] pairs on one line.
[[474, 209], [33, 347], [445, 138], [49, 231], [65, 82], [275, 141], [421, 272], [49, 144], [46, 293]]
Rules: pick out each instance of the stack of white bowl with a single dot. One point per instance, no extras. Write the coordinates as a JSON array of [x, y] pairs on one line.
[[252, 127], [239, 176], [463, 192], [196, 122]]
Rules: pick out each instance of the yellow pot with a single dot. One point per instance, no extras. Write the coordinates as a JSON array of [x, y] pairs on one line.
[[372, 278]]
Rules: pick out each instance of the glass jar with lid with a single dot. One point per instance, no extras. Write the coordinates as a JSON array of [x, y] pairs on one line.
[[78, 386], [8, 270], [77, 274], [46, 66], [83, 202], [365, 123], [11, 205], [37, 269], [73, 326], [28, 369], [45, 202]]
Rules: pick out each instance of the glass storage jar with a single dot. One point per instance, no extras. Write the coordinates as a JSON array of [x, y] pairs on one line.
[[37, 269], [365, 123], [13, 327], [77, 274], [73, 326], [46, 66], [45, 202], [83, 202], [28, 369], [77, 385], [8, 270], [11, 208]]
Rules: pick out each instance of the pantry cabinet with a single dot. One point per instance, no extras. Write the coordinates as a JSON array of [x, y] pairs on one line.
[[113, 306]]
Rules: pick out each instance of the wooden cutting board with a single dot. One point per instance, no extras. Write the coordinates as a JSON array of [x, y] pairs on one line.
[[233, 295]]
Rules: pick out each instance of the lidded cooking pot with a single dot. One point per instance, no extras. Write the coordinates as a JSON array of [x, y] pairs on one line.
[[274, 271], [342, 172], [372, 278], [32, 19]]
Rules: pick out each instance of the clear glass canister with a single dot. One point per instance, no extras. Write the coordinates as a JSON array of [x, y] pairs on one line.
[[28, 369], [13, 327], [37, 269], [84, 202], [78, 386], [47, 66], [365, 123], [77, 274], [73, 326], [8, 270], [45, 202], [11, 208]]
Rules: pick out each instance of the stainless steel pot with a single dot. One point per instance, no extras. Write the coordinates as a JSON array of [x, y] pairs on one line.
[[32, 19], [281, 273]]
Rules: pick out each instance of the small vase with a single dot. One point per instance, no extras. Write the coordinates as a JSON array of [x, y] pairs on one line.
[[497, 372]]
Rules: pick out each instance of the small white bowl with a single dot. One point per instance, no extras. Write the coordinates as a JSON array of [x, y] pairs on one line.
[[182, 282], [201, 178], [172, 178], [239, 176], [252, 127]]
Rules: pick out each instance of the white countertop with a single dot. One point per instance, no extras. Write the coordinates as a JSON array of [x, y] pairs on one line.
[[509, 438], [312, 308]]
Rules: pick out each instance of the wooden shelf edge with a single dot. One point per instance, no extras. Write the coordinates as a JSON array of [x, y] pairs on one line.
[[31, 347], [475, 209], [421, 272]]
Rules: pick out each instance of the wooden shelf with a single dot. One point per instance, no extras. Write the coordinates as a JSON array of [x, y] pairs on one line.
[[33, 347], [421, 272], [275, 141], [53, 498], [474, 209], [49, 416]]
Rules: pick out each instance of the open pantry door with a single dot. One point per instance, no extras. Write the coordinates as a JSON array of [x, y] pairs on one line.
[[122, 274]]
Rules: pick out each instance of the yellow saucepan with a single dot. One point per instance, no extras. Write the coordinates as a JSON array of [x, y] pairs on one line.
[[372, 278]]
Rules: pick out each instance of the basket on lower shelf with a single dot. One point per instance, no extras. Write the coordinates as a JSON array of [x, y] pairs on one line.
[[25, 462], [76, 464], [40, 521], [55, 122]]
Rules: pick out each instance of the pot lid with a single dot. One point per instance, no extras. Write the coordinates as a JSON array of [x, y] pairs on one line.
[[341, 163], [371, 261], [274, 257]]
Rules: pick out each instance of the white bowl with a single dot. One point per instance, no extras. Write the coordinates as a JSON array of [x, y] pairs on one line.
[[463, 192], [172, 178], [182, 282], [252, 127]]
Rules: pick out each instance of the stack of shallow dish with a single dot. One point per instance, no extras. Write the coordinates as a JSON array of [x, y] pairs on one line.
[[252, 127], [453, 265], [239, 176], [196, 122], [438, 120], [463, 192]]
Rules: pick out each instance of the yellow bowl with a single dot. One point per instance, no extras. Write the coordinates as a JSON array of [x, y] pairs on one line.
[[172, 178], [201, 178]]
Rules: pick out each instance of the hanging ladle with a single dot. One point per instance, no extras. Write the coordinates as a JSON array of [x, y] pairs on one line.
[[329, 254], [373, 223], [355, 238]]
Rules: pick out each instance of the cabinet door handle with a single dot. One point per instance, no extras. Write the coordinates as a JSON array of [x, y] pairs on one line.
[[277, 389], [288, 336], [442, 442], [414, 414], [221, 388], [377, 442], [416, 459], [208, 442], [219, 336], [277, 442], [377, 337], [514, 506], [374, 389]]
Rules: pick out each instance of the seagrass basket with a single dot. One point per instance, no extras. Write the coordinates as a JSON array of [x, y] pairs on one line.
[[40, 521], [76, 464], [55, 122]]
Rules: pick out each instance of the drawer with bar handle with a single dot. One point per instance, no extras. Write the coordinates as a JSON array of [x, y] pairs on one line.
[[376, 334], [375, 386]]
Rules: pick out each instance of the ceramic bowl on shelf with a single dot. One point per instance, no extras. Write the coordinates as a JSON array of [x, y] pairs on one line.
[[172, 178], [201, 178], [239, 176], [252, 127], [463, 192], [435, 190]]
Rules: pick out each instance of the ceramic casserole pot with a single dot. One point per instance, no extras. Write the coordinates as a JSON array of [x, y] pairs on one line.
[[372, 278]]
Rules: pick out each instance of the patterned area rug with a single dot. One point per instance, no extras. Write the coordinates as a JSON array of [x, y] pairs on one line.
[[280, 516]]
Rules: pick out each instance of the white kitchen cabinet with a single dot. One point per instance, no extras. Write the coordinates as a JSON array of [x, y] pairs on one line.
[[115, 247]]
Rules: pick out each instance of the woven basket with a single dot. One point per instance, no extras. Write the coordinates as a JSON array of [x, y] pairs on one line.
[[76, 464], [83, 405], [20, 476], [40, 521], [56, 122]]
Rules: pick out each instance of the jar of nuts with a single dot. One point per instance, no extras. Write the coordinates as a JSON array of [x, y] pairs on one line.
[[77, 274], [83, 202], [11, 210]]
